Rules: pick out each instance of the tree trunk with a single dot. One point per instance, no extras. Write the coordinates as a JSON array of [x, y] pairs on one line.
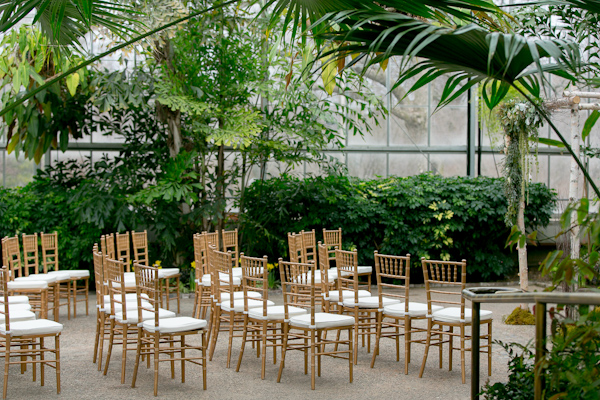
[[522, 251]]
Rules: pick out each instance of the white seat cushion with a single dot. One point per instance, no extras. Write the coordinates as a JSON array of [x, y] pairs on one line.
[[26, 284], [452, 314], [362, 270], [16, 299], [174, 325], [240, 295], [60, 275], [16, 307], [129, 275], [48, 278], [237, 281], [168, 272], [237, 272], [119, 307], [78, 273], [238, 305], [275, 312], [18, 315], [306, 278], [334, 295], [133, 315], [414, 309], [33, 327], [369, 302], [129, 297], [323, 320]]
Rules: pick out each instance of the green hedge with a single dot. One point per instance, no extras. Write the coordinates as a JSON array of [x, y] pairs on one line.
[[424, 215]]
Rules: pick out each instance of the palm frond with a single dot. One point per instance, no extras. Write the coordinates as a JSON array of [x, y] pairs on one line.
[[66, 21]]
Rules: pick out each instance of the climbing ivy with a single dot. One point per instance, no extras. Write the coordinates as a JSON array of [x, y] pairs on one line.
[[520, 122]]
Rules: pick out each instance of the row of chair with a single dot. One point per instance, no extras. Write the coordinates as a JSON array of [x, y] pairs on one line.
[[137, 322], [23, 336], [44, 283]]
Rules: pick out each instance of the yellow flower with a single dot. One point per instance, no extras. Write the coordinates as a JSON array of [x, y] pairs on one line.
[[193, 265], [271, 267], [157, 264]]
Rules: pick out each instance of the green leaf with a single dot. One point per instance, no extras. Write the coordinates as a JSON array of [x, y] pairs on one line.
[[549, 142], [72, 83], [589, 124]]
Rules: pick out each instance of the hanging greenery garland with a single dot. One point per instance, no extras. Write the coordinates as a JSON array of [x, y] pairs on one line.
[[520, 122]]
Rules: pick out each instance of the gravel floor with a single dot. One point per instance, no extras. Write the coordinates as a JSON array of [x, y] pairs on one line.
[[81, 379]]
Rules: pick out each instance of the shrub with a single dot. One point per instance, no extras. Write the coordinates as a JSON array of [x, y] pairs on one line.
[[424, 215]]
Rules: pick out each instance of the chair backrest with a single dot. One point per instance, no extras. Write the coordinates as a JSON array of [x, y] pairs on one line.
[[146, 283], [296, 248], [4, 277], [324, 268], [222, 280], [10, 245], [123, 246], [115, 278], [309, 246], [31, 263], [393, 277], [255, 277], [444, 283], [230, 243], [99, 276], [49, 251], [109, 241], [346, 263], [211, 238], [298, 286], [332, 239], [140, 247]]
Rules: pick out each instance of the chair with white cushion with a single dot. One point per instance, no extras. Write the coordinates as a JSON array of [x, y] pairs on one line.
[[394, 321], [228, 311], [24, 339], [124, 313], [363, 308], [157, 334], [203, 299], [36, 290], [329, 285], [312, 333], [262, 324], [444, 283]]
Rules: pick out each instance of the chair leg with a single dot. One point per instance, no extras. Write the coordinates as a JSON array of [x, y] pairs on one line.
[[462, 352], [450, 348], [42, 370], [264, 350], [156, 358], [377, 338], [285, 330], [231, 331], [312, 359], [182, 358], [6, 364], [138, 352], [97, 337], [407, 342], [427, 344], [110, 345], [244, 337], [490, 348], [57, 355], [124, 354]]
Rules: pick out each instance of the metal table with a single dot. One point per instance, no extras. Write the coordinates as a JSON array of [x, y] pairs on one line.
[[507, 295]]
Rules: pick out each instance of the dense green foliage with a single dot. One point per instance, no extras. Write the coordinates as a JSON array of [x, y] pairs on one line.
[[425, 215]]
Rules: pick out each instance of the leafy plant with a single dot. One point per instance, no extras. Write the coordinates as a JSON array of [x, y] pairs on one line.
[[393, 215], [520, 375]]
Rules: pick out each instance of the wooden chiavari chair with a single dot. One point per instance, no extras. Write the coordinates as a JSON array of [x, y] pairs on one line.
[[139, 240], [50, 262], [101, 315], [262, 323], [230, 243], [158, 335], [123, 247], [229, 300], [309, 332], [36, 290], [363, 308], [309, 246], [332, 239], [203, 293], [124, 313], [393, 321], [24, 340], [296, 248], [444, 283]]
